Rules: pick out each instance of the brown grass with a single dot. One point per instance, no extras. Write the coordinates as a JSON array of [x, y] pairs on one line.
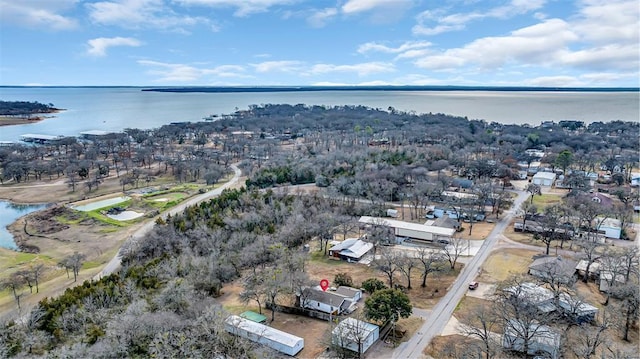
[[505, 263]]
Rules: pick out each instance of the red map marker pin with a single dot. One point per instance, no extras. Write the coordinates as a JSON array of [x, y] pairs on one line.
[[324, 284]]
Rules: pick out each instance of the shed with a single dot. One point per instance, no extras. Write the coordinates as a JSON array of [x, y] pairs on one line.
[[262, 334], [544, 179], [253, 316], [542, 339], [355, 335]]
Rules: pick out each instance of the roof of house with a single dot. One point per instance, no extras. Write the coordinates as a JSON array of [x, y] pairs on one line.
[[543, 334], [554, 265], [610, 222], [263, 330], [446, 222], [407, 225], [352, 328], [531, 292], [347, 291], [329, 297], [344, 244], [545, 175], [582, 266], [352, 247], [576, 306]]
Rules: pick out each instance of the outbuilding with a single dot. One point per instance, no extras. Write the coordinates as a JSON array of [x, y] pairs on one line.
[[355, 335], [259, 333], [611, 227], [544, 179]]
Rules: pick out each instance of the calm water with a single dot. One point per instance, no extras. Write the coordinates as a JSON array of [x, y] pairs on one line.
[[113, 109], [9, 212]]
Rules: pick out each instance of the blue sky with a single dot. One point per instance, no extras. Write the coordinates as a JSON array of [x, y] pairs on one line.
[[590, 43]]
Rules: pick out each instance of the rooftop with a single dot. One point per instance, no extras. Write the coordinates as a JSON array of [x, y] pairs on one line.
[[407, 225]]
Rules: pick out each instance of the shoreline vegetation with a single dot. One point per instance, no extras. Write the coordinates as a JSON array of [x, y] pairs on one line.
[[24, 112]]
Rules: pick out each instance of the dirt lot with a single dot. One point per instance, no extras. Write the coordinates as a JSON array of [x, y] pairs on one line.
[[504, 263]]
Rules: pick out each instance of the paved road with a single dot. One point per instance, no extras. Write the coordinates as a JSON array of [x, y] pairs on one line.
[[115, 262], [442, 312]]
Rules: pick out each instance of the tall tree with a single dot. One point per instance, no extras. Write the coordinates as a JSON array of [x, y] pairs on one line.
[[387, 305]]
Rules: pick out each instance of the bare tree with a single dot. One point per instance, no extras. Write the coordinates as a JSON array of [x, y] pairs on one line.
[[480, 322], [14, 283], [431, 261], [591, 252], [406, 265], [74, 262], [388, 263], [454, 250], [588, 338]]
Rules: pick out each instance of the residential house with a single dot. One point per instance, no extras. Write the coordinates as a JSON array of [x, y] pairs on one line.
[[355, 335], [534, 295], [326, 301], [351, 249], [577, 310], [541, 339], [559, 268], [635, 179]]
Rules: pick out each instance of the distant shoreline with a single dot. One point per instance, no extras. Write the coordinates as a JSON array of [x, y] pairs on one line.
[[351, 88], [6, 120], [222, 89]]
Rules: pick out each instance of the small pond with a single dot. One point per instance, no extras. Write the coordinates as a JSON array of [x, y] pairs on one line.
[[9, 213], [100, 204]]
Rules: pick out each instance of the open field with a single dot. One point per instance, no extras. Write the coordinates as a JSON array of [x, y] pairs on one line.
[[546, 199], [504, 263]]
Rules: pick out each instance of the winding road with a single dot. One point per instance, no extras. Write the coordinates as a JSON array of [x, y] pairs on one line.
[[438, 317], [115, 262]]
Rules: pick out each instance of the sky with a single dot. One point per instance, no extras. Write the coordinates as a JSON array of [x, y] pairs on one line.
[[559, 43]]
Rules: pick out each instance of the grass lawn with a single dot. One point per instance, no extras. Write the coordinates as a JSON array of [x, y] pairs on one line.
[[544, 200], [504, 263]]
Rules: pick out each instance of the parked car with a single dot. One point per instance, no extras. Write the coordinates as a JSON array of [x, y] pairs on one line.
[[473, 285]]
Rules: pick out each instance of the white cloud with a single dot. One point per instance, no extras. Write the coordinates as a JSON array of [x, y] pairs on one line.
[[38, 13], [537, 44], [379, 11], [169, 72], [243, 7], [141, 13], [278, 66], [407, 46], [362, 69], [458, 21], [320, 17], [99, 46], [356, 6]]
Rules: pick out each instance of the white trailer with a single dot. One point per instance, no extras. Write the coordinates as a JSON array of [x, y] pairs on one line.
[[260, 333]]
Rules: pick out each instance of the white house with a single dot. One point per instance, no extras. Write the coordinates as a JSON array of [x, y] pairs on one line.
[[635, 179], [326, 302], [611, 227], [544, 179], [534, 295], [260, 333], [542, 339], [355, 335]]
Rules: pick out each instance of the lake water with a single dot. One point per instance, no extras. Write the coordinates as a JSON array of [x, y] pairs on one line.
[[9, 213], [114, 109]]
